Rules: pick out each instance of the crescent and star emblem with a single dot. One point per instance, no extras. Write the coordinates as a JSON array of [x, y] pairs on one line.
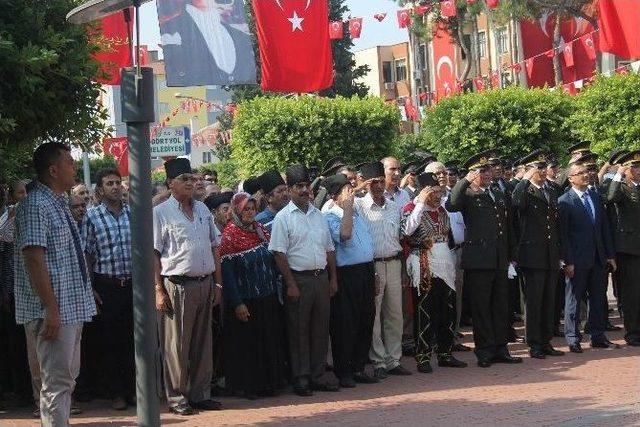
[[279, 3], [444, 60]]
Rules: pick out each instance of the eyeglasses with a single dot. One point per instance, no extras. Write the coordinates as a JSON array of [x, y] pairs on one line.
[[185, 178], [585, 172]]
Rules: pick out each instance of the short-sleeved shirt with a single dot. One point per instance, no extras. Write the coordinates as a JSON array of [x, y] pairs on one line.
[[107, 238], [185, 246], [359, 248], [303, 237], [400, 197], [43, 219], [266, 218], [384, 225]]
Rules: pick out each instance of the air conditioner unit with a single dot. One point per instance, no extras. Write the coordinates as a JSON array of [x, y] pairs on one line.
[[389, 85]]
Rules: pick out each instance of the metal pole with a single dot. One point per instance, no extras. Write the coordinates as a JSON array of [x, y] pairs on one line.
[[86, 170], [138, 113]]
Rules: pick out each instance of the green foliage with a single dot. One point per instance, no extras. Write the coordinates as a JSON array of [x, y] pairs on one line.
[[159, 176], [227, 172], [513, 120], [404, 147], [95, 165], [276, 132], [16, 162], [46, 92], [608, 113]]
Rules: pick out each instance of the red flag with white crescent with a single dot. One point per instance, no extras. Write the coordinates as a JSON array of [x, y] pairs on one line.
[[113, 40], [448, 8], [336, 30], [421, 9], [119, 149], [495, 79], [492, 4], [567, 53], [404, 18], [380, 16], [444, 65], [355, 27], [619, 21], [479, 82], [589, 46]]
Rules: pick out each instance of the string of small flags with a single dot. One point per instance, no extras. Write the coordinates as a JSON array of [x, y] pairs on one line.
[[191, 106]]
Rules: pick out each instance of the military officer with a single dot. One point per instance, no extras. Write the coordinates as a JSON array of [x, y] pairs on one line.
[[625, 194], [538, 252], [486, 255]]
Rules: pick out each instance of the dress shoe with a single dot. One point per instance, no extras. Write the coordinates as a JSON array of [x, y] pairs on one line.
[[347, 381], [558, 333], [119, 403], [459, 335], [325, 386], [425, 368], [182, 409], [75, 409], [483, 363], [605, 343], [364, 378], [550, 351], [380, 374], [207, 405], [303, 391], [399, 370], [537, 353], [634, 343], [408, 351], [451, 362], [610, 327], [460, 347], [506, 359], [575, 348]]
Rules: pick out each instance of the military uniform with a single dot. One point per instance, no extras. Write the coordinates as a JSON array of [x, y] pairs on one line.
[[538, 256], [486, 254], [626, 197]]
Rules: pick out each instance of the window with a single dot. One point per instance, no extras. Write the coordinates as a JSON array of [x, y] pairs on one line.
[[163, 108], [502, 43], [207, 157], [482, 44], [387, 74], [422, 56], [401, 69]]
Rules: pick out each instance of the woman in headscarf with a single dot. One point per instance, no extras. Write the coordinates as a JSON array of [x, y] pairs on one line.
[[253, 326], [431, 266]]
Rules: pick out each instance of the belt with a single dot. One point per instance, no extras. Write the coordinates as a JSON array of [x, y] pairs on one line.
[[181, 280], [389, 258], [310, 272], [120, 281]]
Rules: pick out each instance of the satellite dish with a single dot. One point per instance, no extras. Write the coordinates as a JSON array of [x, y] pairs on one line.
[[97, 9]]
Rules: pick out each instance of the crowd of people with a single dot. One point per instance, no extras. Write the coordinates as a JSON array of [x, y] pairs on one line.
[[319, 283]]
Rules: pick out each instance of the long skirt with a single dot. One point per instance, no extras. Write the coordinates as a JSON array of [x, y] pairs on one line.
[[254, 352]]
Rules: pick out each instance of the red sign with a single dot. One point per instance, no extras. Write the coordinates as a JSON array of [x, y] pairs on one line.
[[336, 30], [119, 149], [113, 40]]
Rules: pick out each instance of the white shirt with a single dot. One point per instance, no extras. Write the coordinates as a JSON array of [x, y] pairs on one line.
[[384, 225], [185, 246], [216, 36], [588, 200], [303, 237], [400, 197]]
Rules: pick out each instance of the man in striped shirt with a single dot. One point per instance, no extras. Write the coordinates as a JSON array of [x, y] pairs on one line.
[[107, 241]]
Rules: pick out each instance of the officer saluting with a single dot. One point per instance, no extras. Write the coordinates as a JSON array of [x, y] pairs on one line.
[[538, 252], [485, 258]]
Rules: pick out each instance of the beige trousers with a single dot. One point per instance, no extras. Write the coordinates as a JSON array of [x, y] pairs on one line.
[[55, 365], [386, 345], [187, 352]]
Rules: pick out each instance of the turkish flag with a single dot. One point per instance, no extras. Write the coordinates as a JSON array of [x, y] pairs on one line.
[[495, 79], [424, 96], [567, 53], [589, 46], [550, 53], [422, 9], [295, 49], [355, 27], [479, 82], [113, 40], [570, 88], [529, 62], [410, 110], [380, 16], [404, 18], [492, 4], [443, 62], [336, 30], [144, 55], [119, 149], [448, 8], [517, 67], [619, 21]]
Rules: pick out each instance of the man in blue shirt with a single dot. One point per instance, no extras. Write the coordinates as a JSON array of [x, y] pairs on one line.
[[352, 307], [276, 193]]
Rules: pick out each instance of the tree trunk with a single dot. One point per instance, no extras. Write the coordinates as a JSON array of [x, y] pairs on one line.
[[557, 68], [466, 50], [476, 52]]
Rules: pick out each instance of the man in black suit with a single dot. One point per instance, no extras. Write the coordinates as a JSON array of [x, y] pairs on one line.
[[586, 248], [486, 255], [624, 193], [538, 252]]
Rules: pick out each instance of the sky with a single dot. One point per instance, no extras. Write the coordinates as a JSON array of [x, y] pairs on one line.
[[374, 33]]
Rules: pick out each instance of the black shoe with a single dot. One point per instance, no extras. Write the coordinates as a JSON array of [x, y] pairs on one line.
[[380, 374], [634, 343], [610, 327], [347, 381], [605, 343], [537, 353], [207, 405], [303, 391], [364, 378], [506, 359], [451, 362], [513, 338], [575, 348], [325, 386], [483, 363], [460, 347], [459, 335], [399, 370], [182, 409], [408, 351], [425, 368], [550, 351], [558, 333]]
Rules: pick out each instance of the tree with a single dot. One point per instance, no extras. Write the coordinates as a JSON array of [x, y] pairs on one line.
[[46, 92], [95, 165]]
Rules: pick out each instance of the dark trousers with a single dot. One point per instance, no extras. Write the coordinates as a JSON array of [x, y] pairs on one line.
[[308, 328], [559, 301], [629, 291], [489, 297], [540, 296], [115, 326], [589, 282], [14, 375], [90, 383], [216, 341], [434, 321], [352, 315]]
